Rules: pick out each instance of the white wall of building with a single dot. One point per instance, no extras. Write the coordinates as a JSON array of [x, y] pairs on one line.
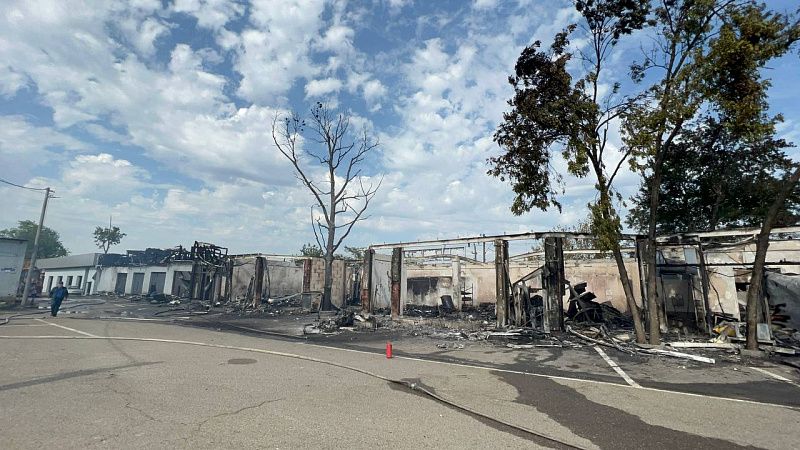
[[82, 277], [105, 279], [108, 277]]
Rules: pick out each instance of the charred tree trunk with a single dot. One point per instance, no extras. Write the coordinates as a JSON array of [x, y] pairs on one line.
[[327, 303], [762, 244]]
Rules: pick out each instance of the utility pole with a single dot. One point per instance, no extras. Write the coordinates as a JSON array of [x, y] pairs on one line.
[[32, 264]]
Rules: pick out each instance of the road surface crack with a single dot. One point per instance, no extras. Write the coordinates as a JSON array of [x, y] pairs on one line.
[[233, 413], [140, 411]]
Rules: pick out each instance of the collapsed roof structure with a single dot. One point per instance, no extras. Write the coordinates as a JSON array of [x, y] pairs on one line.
[[702, 276]]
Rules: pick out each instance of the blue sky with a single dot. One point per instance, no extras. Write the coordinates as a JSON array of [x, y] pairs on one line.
[[158, 113]]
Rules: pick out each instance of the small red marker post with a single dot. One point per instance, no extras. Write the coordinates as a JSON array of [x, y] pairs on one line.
[[388, 350]]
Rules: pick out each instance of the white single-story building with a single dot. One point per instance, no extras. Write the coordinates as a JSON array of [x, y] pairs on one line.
[[86, 273], [170, 278], [75, 271]]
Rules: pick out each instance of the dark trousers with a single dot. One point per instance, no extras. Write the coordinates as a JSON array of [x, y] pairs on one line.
[[55, 305]]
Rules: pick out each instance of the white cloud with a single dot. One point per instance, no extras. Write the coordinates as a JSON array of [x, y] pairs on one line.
[[338, 38], [189, 120], [485, 4], [179, 115], [317, 88], [437, 182], [274, 52], [25, 148], [147, 33], [102, 177], [239, 214], [11, 81], [212, 14], [374, 90]]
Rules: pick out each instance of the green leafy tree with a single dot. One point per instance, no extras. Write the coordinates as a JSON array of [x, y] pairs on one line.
[[105, 238], [583, 227], [355, 252], [706, 60], [712, 180], [50, 245], [552, 112], [311, 250]]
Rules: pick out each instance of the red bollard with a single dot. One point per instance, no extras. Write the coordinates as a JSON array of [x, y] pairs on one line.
[[388, 350]]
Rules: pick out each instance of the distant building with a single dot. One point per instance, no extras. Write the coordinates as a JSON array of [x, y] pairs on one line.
[[12, 259], [75, 271], [173, 271], [128, 276]]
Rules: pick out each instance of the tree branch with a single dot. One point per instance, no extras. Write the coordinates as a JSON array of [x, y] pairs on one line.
[[369, 194], [290, 135]]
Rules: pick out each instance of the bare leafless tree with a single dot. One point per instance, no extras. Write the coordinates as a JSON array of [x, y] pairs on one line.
[[344, 193]]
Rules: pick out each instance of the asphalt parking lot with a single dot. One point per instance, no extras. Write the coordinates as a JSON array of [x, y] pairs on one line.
[[179, 382]]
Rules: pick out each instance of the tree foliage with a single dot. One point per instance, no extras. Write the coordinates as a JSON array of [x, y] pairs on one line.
[[712, 180], [105, 238], [552, 112], [355, 252], [312, 250], [583, 226], [50, 245], [705, 61], [714, 170], [547, 109]]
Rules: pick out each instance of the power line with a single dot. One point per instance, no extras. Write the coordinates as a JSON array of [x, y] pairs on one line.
[[20, 186]]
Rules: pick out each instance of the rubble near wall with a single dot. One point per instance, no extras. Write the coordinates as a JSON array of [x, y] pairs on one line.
[[427, 282], [317, 283], [286, 276], [281, 277]]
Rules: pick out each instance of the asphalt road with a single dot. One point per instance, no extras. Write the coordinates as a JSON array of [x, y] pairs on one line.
[[68, 383]]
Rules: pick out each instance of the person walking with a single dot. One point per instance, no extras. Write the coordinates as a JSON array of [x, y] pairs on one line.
[[58, 294]]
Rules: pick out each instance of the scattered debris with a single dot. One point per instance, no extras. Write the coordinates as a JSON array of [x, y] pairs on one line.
[[527, 346], [582, 308], [659, 351], [447, 304], [721, 345], [453, 346], [639, 348], [311, 329]]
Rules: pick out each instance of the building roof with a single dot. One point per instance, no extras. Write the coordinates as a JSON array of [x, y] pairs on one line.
[[12, 239], [63, 262]]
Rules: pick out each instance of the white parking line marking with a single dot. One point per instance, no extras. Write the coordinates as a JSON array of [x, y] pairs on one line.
[[617, 368], [775, 375], [67, 328]]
